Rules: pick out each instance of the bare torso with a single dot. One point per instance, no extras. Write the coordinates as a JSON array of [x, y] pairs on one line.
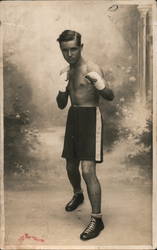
[[82, 92]]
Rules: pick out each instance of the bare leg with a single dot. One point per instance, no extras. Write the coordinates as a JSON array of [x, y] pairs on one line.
[[73, 172], [93, 185], [96, 224], [72, 167]]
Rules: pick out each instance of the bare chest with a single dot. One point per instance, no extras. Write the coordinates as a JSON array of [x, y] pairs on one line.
[[77, 78]]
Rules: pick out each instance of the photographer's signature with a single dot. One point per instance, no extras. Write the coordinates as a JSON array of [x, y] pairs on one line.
[[27, 236]]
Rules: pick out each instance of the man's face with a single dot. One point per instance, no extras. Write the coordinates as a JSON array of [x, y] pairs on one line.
[[71, 51]]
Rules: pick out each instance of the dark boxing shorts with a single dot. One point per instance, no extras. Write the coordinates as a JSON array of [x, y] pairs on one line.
[[83, 135]]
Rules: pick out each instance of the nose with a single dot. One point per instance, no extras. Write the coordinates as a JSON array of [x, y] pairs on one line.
[[69, 52]]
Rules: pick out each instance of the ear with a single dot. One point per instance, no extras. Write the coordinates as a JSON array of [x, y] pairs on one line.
[[81, 46]]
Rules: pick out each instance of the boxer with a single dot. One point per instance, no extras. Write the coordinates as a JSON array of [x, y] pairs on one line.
[[83, 141]]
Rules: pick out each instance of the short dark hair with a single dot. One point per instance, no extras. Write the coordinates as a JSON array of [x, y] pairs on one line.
[[69, 35]]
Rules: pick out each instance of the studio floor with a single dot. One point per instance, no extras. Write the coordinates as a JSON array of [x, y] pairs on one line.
[[34, 204]]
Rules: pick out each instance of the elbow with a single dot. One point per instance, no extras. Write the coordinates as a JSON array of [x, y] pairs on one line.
[[111, 97], [61, 106], [107, 94]]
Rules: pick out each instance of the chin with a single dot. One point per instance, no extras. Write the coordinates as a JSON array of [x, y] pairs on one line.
[[73, 62]]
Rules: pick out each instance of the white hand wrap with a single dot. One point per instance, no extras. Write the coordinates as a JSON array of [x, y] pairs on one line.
[[98, 81], [63, 83]]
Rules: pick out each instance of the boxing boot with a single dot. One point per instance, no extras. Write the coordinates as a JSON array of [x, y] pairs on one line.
[[76, 200], [93, 229]]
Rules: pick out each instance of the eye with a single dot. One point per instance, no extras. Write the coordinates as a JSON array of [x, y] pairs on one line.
[[64, 50], [74, 49]]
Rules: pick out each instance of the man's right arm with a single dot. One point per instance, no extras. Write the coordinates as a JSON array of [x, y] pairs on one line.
[[62, 98]]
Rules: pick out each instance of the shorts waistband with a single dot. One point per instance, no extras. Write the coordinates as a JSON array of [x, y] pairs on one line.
[[81, 107]]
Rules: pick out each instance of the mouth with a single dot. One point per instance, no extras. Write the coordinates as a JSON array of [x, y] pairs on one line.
[[71, 59]]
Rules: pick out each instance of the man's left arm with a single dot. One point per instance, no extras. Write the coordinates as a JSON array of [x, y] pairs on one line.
[[106, 93]]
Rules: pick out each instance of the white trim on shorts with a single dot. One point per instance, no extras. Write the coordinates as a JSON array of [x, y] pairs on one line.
[[98, 139]]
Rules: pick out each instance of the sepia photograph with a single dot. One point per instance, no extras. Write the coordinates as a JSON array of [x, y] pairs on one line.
[[78, 124]]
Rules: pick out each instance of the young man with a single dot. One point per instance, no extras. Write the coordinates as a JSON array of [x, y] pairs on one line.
[[83, 135]]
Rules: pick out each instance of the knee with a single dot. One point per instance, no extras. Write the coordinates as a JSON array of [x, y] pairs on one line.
[[71, 166], [87, 170]]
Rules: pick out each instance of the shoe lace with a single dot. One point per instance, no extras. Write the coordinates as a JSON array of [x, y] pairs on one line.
[[91, 226]]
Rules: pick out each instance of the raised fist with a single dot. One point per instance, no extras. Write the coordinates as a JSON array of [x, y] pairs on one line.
[[96, 79]]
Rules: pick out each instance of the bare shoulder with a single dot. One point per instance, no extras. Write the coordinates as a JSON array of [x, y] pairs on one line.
[[91, 66]]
